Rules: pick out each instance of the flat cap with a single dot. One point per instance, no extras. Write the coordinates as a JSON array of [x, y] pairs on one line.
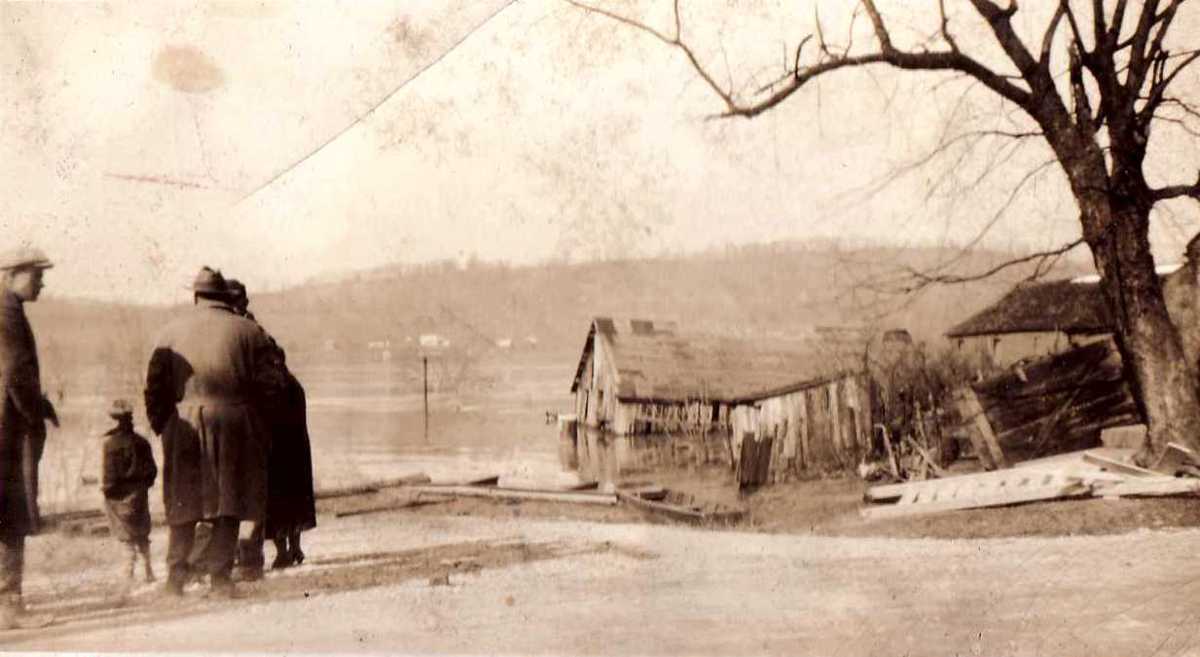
[[24, 256]]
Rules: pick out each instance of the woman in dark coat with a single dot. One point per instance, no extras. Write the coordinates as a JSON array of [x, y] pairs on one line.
[[291, 508]]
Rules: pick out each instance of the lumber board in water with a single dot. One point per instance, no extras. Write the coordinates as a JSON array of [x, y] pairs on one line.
[[577, 497]]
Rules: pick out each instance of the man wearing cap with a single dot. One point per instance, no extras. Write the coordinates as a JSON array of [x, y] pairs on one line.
[[23, 416], [208, 371]]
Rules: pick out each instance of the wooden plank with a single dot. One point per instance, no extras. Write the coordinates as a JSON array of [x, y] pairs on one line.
[[937, 470], [646, 491], [1173, 458], [689, 511], [977, 481], [406, 480], [893, 464], [392, 506], [371, 487], [1001, 498], [345, 491], [1151, 487], [967, 412], [1117, 466], [972, 411], [502, 493]]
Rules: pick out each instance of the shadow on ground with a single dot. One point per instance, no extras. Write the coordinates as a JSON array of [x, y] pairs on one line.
[[85, 608]]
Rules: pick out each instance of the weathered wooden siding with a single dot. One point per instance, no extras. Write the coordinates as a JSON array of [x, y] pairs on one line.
[[596, 403], [823, 428]]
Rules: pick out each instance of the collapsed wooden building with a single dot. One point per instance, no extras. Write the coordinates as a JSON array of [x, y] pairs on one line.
[[650, 393], [1062, 379]]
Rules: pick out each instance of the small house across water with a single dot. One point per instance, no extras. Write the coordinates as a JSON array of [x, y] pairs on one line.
[[770, 406]]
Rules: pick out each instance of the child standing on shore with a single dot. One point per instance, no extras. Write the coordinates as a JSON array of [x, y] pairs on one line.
[[129, 471]]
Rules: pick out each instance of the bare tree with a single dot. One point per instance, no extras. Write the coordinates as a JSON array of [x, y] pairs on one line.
[[1097, 122]]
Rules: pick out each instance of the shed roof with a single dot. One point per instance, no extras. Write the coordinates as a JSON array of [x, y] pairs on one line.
[[659, 361], [1059, 305]]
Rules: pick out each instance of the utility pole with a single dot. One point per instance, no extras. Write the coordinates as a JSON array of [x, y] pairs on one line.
[[425, 380]]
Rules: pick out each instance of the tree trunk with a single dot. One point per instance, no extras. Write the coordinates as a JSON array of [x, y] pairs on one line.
[[1165, 383]]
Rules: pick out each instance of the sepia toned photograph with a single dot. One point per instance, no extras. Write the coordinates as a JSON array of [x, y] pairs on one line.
[[600, 327]]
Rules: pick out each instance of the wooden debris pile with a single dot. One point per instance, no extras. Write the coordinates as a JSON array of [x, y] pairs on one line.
[[1051, 405], [1107, 473]]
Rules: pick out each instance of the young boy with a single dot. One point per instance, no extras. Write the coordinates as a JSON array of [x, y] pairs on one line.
[[129, 471]]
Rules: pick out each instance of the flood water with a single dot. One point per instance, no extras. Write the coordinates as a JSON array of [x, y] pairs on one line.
[[363, 427]]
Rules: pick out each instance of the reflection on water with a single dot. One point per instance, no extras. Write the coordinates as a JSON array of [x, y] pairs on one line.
[[607, 458], [355, 440]]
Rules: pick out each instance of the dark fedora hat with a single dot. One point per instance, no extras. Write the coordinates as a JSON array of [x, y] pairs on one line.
[[210, 281]]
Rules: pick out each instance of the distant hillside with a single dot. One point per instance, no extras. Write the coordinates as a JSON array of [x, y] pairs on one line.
[[544, 310], [764, 288]]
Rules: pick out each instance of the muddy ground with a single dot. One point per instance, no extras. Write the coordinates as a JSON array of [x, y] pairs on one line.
[[804, 575]]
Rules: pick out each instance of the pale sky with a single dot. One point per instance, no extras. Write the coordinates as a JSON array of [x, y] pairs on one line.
[[134, 138]]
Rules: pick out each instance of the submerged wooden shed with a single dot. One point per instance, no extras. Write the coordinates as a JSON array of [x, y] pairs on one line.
[[803, 402]]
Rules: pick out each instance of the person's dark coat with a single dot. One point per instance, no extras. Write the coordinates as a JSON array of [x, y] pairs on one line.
[[290, 502], [128, 473], [208, 373], [23, 413]]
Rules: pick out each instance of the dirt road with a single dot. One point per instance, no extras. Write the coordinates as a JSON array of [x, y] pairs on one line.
[[439, 584]]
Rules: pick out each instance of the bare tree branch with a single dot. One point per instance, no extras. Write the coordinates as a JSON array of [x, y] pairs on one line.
[[1083, 107], [1051, 31], [1040, 258], [1164, 21], [675, 41], [945, 28], [1138, 54], [1159, 86], [930, 61], [1118, 19], [1178, 191], [1074, 23], [1000, 20]]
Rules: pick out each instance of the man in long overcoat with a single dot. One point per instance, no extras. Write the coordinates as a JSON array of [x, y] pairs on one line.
[[23, 414], [208, 370]]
